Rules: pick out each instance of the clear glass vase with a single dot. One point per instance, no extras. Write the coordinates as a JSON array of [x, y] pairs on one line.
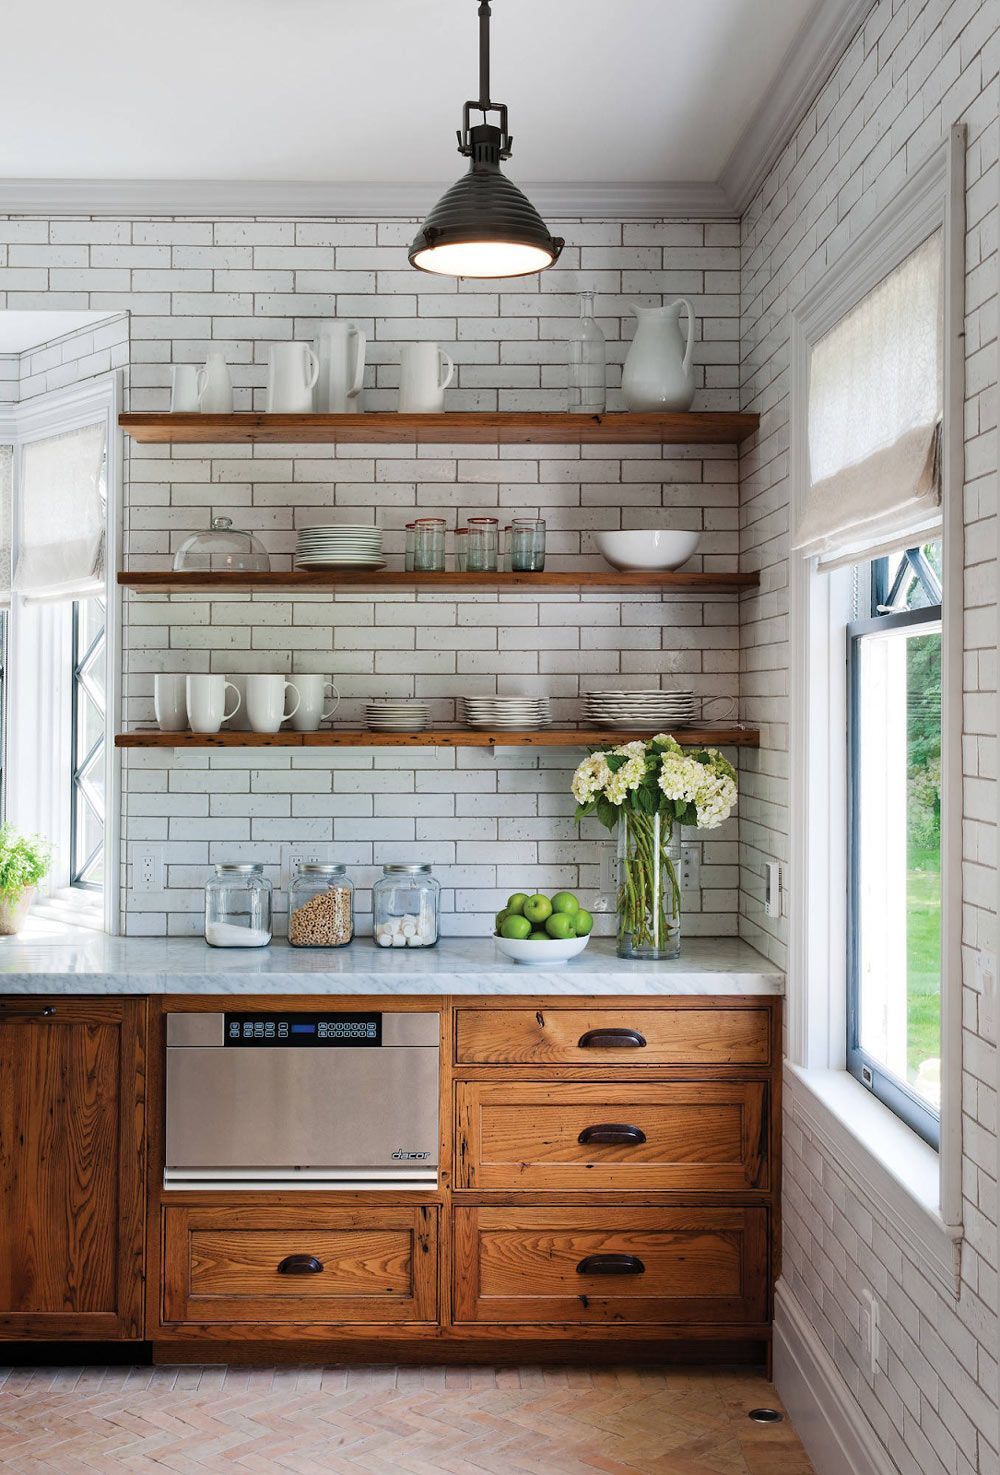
[[649, 887], [587, 367]]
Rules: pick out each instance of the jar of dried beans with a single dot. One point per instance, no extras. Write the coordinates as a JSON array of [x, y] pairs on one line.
[[320, 907]]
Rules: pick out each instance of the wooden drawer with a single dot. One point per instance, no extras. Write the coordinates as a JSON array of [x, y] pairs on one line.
[[614, 1035], [375, 1265], [695, 1136], [678, 1265]]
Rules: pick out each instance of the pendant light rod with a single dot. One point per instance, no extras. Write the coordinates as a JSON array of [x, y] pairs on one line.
[[499, 138], [484, 55]]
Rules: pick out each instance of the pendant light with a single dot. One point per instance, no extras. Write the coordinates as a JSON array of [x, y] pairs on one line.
[[484, 226]]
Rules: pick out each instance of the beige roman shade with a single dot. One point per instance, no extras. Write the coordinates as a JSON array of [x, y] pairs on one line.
[[6, 492], [62, 516], [875, 397]]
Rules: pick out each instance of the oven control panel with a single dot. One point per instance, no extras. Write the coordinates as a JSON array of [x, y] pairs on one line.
[[260, 1031]]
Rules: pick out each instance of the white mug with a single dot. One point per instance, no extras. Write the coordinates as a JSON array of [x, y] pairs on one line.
[[292, 371], [239, 722], [170, 702], [206, 702], [340, 349], [215, 386], [425, 373], [312, 692], [266, 702], [184, 389]]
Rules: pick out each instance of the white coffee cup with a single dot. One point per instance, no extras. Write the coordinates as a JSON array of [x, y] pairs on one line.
[[184, 398], [206, 702], [266, 702], [292, 371], [170, 702], [425, 373], [340, 348], [312, 692], [239, 722]]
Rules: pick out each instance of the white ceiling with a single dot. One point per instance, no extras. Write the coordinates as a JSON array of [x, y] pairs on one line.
[[20, 330], [630, 91]]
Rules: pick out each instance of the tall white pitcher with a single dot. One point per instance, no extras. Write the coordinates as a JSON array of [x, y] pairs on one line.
[[340, 348], [659, 373]]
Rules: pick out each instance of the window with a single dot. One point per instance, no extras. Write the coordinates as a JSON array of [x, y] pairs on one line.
[[894, 836], [88, 744]]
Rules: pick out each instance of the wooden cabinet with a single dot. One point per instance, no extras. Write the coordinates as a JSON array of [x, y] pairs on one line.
[[72, 1168], [610, 1265], [597, 1036], [272, 1264], [696, 1136]]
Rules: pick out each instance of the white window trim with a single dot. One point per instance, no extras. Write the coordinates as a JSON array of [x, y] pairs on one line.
[[46, 415], [919, 1190]]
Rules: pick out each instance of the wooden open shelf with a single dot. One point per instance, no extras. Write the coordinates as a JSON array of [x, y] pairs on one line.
[[458, 737], [468, 427], [169, 581]]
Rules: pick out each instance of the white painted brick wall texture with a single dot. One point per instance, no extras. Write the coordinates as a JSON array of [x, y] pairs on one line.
[[916, 67]]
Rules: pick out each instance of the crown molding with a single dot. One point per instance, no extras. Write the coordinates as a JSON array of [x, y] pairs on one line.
[[819, 46], [213, 199]]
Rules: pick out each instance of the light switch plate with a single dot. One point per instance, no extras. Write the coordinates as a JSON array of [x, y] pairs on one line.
[[986, 984], [772, 889], [870, 1334]]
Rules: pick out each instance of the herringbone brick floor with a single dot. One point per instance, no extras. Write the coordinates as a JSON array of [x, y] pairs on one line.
[[390, 1421]]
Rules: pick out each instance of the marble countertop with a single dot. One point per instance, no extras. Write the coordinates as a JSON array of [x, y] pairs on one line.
[[93, 963]]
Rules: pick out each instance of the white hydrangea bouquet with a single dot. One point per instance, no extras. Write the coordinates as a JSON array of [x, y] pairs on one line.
[[648, 790]]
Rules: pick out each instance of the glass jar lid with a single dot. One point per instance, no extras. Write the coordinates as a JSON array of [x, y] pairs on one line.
[[410, 870], [321, 868], [239, 870], [222, 549]]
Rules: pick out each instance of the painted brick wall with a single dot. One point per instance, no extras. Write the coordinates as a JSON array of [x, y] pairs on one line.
[[488, 824], [916, 67]]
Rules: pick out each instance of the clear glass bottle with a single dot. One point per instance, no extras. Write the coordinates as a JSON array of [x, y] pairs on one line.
[[527, 545], [320, 907], [406, 907], [238, 907], [428, 548], [587, 393]]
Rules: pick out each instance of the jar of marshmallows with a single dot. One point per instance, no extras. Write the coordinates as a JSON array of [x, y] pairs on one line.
[[406, 905]]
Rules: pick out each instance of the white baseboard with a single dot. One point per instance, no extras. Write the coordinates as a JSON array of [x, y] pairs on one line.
[[828, 1419]]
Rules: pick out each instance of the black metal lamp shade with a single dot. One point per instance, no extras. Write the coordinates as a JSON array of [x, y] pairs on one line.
[[484, 227]]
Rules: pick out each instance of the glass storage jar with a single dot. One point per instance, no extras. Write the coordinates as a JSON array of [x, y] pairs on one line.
[[406, 905], [238, 907], [223, 549], [320, 907]]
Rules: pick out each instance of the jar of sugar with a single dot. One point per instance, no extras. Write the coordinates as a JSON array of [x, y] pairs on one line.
[[238, 907], [406, 907]]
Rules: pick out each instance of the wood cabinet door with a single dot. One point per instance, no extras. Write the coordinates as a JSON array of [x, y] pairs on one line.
[[692, 1136], [610, 1266], [277, 1264], [72, 1168], [597, 1036]]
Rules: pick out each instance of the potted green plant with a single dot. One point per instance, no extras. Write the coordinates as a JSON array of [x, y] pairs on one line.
[[647, 790], [24, 860]]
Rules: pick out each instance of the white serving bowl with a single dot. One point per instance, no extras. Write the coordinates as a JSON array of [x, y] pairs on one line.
[[540, 954], [641, 549]]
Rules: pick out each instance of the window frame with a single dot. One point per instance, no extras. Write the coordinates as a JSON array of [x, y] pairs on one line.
[[871, 1072], [78, 762]]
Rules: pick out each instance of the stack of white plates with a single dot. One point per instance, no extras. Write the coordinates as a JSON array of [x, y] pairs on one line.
[[526, 713], [399, 716], [653, 709], [339, 545]]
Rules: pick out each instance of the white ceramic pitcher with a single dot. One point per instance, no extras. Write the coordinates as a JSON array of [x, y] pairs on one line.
[[340, 348], [215, 386], [292, 372], [659, 373]]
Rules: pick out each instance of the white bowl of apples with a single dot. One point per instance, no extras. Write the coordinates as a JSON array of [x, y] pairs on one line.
[[542, 931]]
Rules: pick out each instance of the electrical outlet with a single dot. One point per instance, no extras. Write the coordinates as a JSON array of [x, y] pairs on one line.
[[871, 1340], [690, 867], [293, 856], [986, 983], [772, 889], [609, 870], [147, 868]]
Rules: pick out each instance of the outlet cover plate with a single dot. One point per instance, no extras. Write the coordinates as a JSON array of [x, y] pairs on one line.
[[147, 868]]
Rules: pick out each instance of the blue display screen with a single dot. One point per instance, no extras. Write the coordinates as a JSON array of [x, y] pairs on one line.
[[303, 1029]]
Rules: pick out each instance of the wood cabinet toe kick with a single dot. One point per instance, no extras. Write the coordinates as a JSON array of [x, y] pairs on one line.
[[610, 1178]]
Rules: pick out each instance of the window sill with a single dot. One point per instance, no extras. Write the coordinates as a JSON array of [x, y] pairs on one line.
[[68, 910], [888, 1164]]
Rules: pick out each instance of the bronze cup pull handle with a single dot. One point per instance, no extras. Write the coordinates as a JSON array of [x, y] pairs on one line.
[[611, 1265], [613, 1134], [300, 1265], [612, 1039]]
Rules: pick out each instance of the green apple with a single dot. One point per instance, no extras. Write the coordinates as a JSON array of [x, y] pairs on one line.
[[565, 901], [537, 908], [583, 923], [502, 916], [538, 934], [516, 902], [560, 926], [516, 928]]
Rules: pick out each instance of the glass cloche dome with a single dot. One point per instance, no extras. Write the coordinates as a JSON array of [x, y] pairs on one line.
[[223, 549]]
